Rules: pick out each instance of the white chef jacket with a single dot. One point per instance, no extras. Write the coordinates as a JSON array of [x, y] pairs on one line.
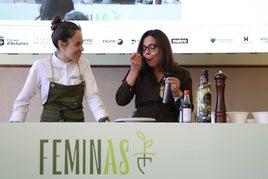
[[40, 76]]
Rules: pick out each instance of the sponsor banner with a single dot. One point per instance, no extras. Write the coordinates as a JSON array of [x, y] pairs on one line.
[[122, 37], [133, 150]]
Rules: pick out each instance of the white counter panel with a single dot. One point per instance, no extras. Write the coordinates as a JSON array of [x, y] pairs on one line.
[[49, 150]]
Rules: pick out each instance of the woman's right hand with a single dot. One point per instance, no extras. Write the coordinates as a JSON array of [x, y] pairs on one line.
[[135, 62], [135, 67]]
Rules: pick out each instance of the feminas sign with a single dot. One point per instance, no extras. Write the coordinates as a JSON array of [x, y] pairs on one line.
[[94, 156]]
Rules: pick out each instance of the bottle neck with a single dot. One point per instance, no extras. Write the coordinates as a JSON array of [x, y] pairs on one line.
[[204, 79], [186, 98]]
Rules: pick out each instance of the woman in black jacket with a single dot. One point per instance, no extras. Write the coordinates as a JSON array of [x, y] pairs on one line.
[[147, 76]]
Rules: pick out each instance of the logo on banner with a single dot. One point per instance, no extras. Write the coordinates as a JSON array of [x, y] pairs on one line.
[[120, 41], [112, 41], [2, 41], [16, 42], [135, 41], [144, 156], [246, 40], [214, 40], [179, 41], [95, 156], [42, 41], [87, 41], [264, 39]]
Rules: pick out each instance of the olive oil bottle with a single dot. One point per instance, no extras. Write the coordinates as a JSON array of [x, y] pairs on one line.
[[204, 99]]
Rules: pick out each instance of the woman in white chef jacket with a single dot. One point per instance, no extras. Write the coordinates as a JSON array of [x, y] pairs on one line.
[[62, 79]]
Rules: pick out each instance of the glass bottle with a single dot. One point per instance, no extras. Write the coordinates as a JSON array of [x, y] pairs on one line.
[[167, 91], [186, 107], [204, 99], [196, 96], [180, 110]]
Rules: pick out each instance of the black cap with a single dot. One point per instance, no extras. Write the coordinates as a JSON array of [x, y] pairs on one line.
[[204, 72]]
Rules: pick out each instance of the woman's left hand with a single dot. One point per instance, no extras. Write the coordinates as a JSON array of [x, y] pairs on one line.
[[175, 86]]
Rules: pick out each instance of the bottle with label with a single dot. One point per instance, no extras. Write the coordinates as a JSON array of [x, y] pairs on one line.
[[180, 111], [186, 108], [204, 99], [196, 96]]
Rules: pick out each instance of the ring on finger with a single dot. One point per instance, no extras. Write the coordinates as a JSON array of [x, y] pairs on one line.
[[173, 86]]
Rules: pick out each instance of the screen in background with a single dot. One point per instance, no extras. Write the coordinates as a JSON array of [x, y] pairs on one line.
[[115, 26]]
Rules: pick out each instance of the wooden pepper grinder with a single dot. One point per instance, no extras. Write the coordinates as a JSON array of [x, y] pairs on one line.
[[220, 111]]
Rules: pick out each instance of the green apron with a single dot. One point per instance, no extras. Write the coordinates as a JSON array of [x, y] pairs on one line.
[[64, 103]]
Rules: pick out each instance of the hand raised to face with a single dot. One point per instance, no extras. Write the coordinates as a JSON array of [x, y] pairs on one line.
[[136, 62]]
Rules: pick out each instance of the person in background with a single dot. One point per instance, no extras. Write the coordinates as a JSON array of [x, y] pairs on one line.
[[75, 15], [90, 1], [123, 1], [20, 1], [85, 2], [146, 78], [51, 8], [62, 80], [13, 1]]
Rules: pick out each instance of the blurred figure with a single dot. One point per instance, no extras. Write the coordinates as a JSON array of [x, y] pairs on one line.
[[171, 2], [19, 1], [87, 1], [90, 1], [13, 1], [75, 15], [52, 8], [123, 1]]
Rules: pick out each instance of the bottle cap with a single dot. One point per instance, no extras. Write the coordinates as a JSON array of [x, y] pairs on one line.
[[186, 91], [204, 72]]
